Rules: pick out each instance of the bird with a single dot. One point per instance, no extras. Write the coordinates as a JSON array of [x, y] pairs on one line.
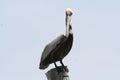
[[58, 48]]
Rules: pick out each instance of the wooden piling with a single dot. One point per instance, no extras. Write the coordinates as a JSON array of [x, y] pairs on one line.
[[59, 73]]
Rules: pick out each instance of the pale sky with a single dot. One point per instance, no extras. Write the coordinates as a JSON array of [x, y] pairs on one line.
[[26, 26]]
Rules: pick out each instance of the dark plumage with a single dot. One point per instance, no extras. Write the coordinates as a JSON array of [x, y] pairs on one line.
[[59, 47]]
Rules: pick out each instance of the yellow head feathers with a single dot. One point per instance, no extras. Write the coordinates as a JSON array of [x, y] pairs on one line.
[[69, 11]]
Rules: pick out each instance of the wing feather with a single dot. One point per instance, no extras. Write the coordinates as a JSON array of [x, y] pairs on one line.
[[51, 46]]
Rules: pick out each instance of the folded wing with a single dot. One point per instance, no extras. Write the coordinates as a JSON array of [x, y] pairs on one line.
[[49, 48]]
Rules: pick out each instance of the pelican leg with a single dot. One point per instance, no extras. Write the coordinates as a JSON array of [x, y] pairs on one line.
[[57, 67], [65, 68], [62, 63]]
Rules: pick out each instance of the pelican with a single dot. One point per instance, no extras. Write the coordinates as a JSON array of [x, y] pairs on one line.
[[57, 49]]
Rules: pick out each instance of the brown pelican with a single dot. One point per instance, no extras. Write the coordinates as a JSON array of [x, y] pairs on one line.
[[59, 47]]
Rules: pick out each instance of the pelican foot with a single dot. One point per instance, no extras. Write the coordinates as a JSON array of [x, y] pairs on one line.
[[62, 69]]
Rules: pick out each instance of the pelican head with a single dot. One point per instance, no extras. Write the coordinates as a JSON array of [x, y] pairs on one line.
[[69, 12]]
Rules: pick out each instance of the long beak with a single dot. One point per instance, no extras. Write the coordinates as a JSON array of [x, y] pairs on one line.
[[68, 22]]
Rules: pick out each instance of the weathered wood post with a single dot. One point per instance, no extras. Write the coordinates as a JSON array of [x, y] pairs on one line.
[[53, 74]]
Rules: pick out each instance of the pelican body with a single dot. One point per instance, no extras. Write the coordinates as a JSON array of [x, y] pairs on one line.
[[57, 49]]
